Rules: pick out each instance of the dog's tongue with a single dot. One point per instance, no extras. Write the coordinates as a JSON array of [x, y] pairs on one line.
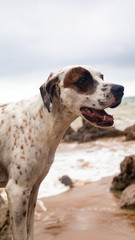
[[102, 114]]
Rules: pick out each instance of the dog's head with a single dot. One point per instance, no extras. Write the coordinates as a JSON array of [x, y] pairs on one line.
[[83, 92]]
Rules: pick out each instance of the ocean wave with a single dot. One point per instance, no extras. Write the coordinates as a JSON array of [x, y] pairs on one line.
[[85, 163]]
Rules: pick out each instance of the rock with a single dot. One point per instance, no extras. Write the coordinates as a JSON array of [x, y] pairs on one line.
[[66, 181], [88, 133], [5, 233], [128, 197], [127, 175], [130, 133]]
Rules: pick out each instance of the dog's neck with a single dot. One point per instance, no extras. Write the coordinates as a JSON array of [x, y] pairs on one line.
[[60, 119], [53, 124]]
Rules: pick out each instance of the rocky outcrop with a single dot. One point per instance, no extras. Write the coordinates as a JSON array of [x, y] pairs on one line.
[[88, 133], [4, 221], [130, 133], [127, 199], [124, 183], [126, 176]]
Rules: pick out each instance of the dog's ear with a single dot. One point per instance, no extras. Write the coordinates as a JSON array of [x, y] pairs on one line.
[[47, 91]]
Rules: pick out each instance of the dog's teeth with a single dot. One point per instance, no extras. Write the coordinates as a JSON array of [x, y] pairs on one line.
[[87, 110], [104, 118]]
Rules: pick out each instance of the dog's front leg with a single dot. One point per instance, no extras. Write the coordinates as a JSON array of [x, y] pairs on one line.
[[31, 211], [18, 198]]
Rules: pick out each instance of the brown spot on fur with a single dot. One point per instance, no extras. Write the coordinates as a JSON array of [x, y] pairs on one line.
[[16, 181], [36, 154], [18, 166], [22, 157], [41, 115], [3, 109], [29, 137], [2, 122], [9, 129], [25, 139], [22, 147], [24, 213], [3, 106], [13, 116], [24, 203], [15, 143], [30, 131], [22, 129]]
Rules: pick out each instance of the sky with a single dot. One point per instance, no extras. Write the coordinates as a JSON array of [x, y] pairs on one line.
[[41, 36]]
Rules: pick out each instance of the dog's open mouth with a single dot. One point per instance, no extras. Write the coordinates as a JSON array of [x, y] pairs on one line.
[[98, 118]]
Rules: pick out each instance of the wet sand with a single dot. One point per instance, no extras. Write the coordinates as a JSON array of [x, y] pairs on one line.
[[89, 212]]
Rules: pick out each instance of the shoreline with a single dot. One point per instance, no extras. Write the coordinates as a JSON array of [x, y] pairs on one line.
[[86, 212], [85, 163]]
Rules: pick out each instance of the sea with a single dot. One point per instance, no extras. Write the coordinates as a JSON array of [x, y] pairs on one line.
[[88, 162]]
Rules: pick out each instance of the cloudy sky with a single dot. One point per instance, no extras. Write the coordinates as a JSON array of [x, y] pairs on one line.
[[39, 36]]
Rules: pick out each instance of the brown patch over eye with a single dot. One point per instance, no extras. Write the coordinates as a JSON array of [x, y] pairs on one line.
[[80, 80]]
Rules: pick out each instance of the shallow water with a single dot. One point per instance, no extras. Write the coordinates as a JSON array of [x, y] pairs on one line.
[[85, 163]]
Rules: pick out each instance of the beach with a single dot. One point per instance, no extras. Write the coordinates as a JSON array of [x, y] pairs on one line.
[[89, 212]]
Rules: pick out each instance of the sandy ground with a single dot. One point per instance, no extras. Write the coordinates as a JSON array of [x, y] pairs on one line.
[[90, 212]]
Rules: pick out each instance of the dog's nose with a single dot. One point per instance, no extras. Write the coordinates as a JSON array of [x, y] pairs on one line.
[[117, 90]]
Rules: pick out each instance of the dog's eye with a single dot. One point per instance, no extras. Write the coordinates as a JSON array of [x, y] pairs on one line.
[[83, 81]]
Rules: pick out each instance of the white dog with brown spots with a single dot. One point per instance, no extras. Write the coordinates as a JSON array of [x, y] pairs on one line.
[[31, 130]]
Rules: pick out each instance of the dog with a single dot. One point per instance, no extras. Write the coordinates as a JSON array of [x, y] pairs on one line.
[[31, 130]]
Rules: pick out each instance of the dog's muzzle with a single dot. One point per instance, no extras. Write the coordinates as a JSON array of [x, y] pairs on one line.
[[100, 118]]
